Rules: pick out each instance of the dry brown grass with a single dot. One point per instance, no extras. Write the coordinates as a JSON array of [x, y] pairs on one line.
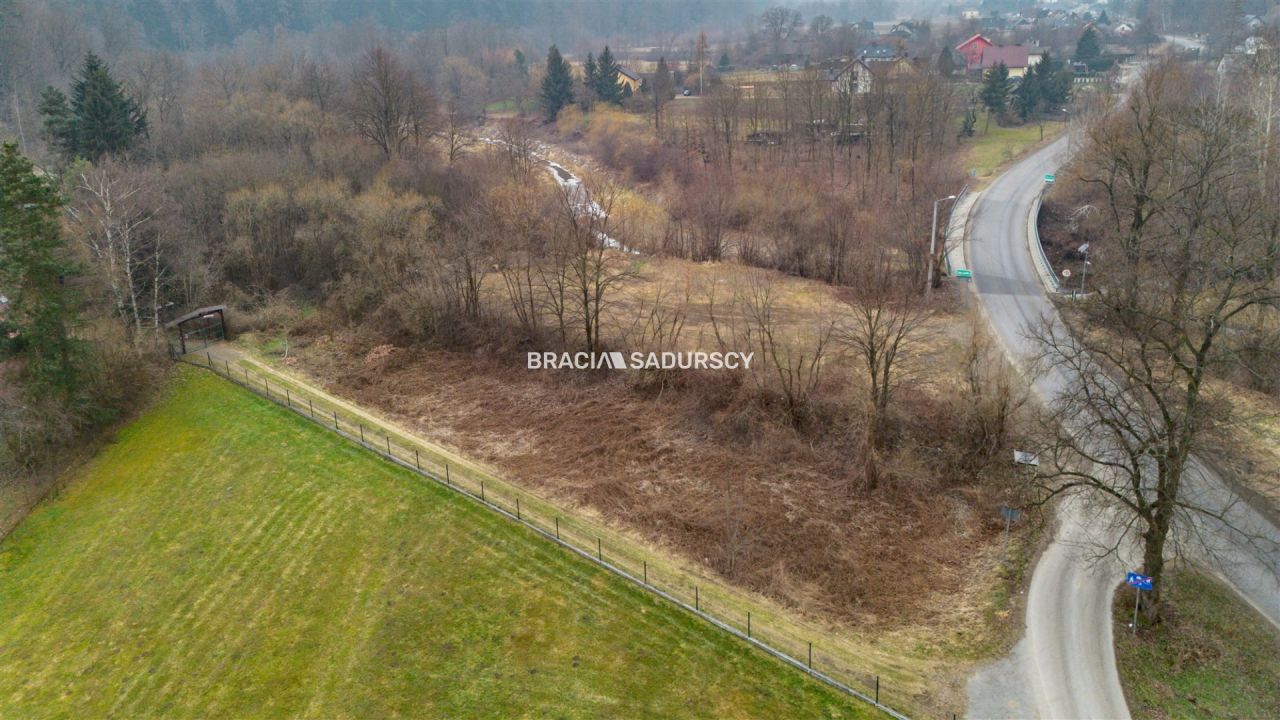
[[698, 470]]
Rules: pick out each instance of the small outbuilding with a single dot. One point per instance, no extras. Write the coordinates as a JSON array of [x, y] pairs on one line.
[[200, 328]]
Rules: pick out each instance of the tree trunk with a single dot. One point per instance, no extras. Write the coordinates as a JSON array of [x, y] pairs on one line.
[[1153, 566]]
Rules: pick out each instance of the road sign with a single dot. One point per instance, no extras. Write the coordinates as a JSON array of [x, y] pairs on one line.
[[964, 274], [1142, 582], [1049, 179], [1066, 272], [1026, 458], [1010, 514]]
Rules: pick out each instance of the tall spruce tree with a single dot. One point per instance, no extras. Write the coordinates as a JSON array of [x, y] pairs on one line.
[[1088, 49], [557, 85], [946, 61], [589, 72], [1027, 96], [41, 308], [100, 118], [995, 91], [606, 80]]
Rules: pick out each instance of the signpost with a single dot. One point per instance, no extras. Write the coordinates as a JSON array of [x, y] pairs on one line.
[[964, 274], [1010, 516], [1048, 179], [1139, 583], [1030, 461]]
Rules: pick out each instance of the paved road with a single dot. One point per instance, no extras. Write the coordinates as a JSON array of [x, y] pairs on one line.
[[1065, 667]]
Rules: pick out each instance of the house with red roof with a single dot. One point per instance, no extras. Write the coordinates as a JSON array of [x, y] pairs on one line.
[[971, 50]]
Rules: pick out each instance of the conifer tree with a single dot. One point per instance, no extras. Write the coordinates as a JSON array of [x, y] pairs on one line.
[[41, 308], [557, 85], [1087, 47], [606, 80], [100, 118], [995, 91]]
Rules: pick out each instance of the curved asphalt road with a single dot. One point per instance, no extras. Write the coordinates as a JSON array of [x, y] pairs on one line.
[[1065, 666]]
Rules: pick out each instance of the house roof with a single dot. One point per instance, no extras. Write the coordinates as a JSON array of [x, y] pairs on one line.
[[199, 312], [628, 74], [877, 51], [1013, 56], [975, 38]]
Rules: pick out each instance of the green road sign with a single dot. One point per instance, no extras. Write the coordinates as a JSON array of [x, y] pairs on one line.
[[1049, 179], [963, 273]]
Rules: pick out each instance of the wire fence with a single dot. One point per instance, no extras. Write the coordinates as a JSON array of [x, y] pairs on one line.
[[709, 602]]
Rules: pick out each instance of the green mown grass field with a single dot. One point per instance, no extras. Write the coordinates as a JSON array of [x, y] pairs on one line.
[[225, 558]]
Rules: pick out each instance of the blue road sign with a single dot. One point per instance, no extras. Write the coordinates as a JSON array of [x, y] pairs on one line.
[[1142, 582]]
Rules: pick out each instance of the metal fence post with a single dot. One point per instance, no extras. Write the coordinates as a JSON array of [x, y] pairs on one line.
[[877, 689], [335, 419], [748, 624], [447, 481], [228, 364], [416, 462], [557, 527], [246, 376], [482, 491], [697, 603], [388, 444], [810, 655], [646, 572], [311, 406], [210, 356], [288, 399], [361, 432], [599, 550], [518, 509]]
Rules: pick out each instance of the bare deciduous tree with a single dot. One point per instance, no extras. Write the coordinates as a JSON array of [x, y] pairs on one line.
[[115, 220], [388, 106], [885, 315], [1189, 248]]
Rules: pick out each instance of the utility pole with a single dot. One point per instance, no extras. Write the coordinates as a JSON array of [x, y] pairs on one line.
[[933, 242]]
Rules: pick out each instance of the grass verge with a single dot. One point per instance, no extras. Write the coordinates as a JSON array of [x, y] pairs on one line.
[[989, 151], [224, 558], [1212, 657]]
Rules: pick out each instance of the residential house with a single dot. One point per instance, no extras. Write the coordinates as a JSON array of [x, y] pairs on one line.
[[970, 14], [880, 52], [629, 80], [1018, 58], [902, 30], [971, 51], [850, 77]]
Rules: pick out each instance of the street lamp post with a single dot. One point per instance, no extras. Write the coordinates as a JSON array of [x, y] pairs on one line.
[[933, 242]]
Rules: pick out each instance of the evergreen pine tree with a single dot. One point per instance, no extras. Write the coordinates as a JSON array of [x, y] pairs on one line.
[[59, 126], [1027, 97], [995, 91], [1087, 47], [723, 65], [106, 120], [946, 62], [33, 269], [557, 85], [589, 74], [606, 81]]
